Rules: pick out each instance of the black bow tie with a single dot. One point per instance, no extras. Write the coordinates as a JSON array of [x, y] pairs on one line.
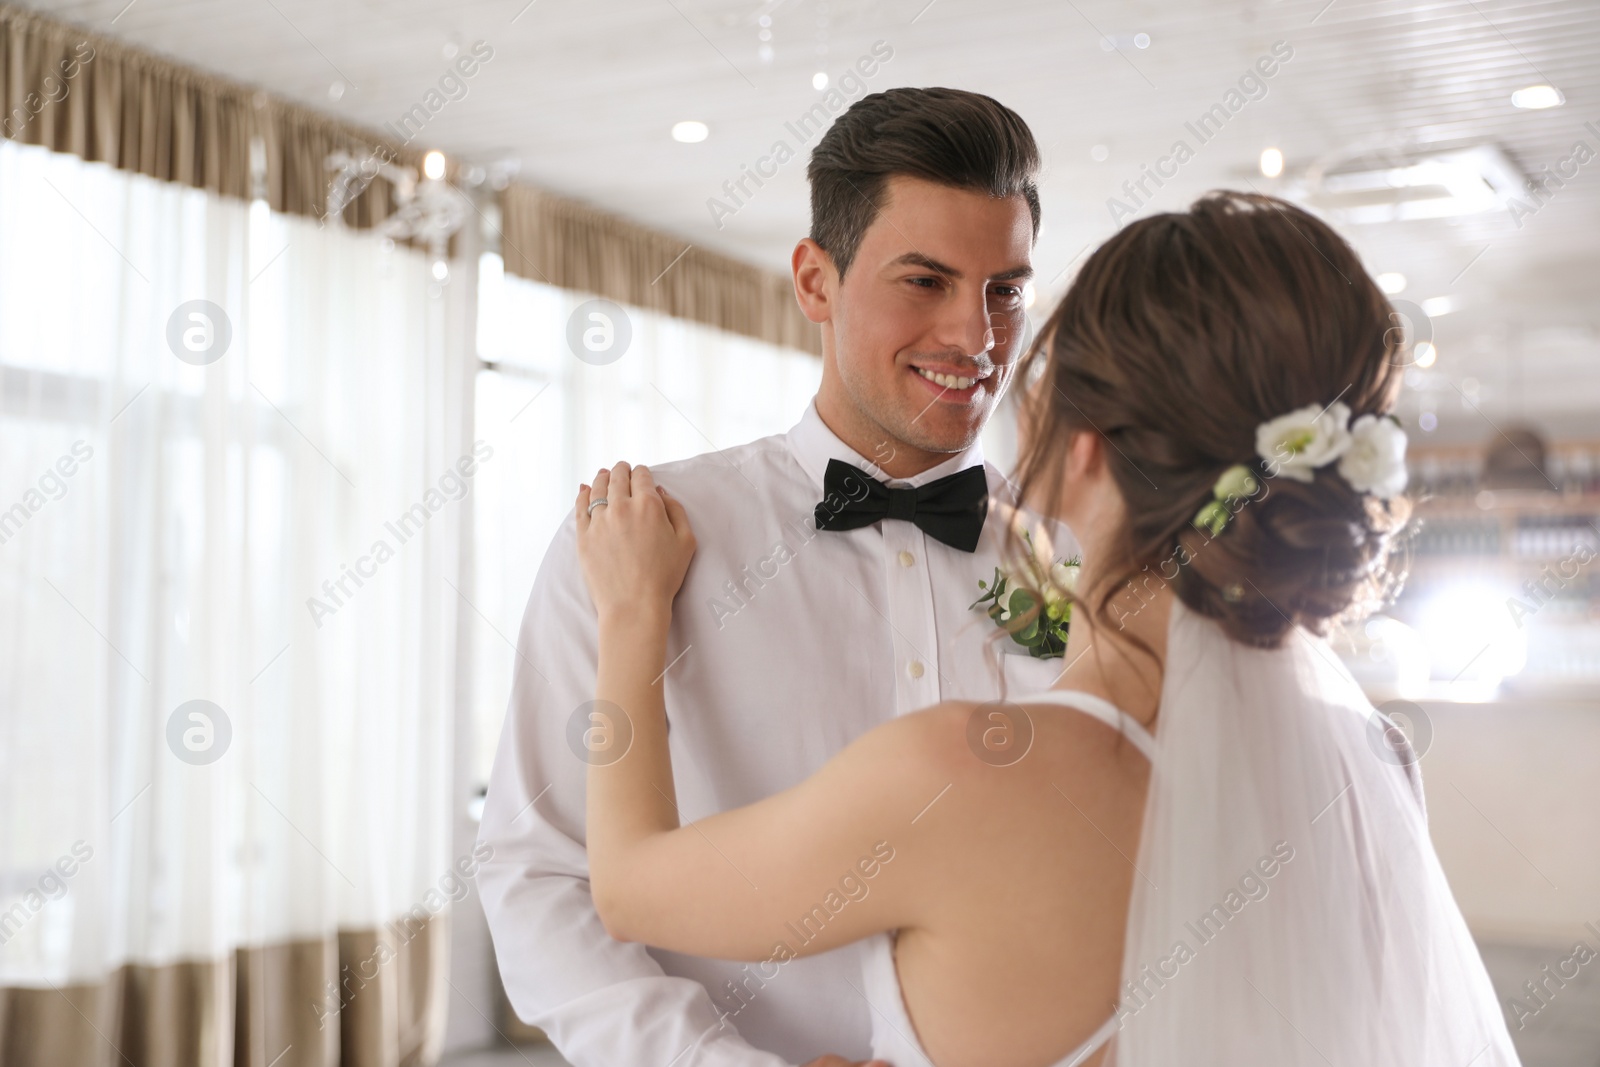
[[950, 509]]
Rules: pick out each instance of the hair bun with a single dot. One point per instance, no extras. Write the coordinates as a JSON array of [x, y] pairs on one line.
[[1295, 554]]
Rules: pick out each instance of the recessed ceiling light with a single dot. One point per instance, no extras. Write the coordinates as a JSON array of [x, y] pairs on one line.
[[1435, 306], [1271, 162], [1537, 97], [433, 165], [1426, 354], [1392, 282], [819, 80], [690, 132]]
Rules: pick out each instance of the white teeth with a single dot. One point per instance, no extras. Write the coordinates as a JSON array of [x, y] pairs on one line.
[[949, 381]]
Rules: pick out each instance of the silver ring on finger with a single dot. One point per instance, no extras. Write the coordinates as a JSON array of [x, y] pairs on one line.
[[595, 504]]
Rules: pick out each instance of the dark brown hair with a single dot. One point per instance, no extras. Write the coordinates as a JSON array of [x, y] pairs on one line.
[[1181, 335], [949, 136]]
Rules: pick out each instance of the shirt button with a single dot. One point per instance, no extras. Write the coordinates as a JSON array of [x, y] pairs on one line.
[[914, 668], [906, 558]]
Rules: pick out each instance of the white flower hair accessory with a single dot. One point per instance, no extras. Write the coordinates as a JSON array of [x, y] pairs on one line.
[[1375, 462], [1371, 453], [1294, 445]]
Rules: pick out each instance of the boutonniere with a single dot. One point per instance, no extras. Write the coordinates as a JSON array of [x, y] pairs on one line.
[[1011, 604]]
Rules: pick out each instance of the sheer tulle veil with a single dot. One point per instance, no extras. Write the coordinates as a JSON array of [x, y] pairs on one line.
[[1288, 906]]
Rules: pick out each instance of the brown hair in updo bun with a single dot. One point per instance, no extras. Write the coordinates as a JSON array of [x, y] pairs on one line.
[[1182, 334]]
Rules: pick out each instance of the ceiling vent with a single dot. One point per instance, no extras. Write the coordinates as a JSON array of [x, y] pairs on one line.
[[1367, 190]]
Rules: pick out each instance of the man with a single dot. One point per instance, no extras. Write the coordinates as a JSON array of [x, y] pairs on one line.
[[788, 640]]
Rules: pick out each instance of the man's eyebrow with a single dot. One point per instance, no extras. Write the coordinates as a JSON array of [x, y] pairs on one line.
[[917, 259]]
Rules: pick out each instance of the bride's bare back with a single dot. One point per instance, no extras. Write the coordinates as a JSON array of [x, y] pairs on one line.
[[1022, 874]]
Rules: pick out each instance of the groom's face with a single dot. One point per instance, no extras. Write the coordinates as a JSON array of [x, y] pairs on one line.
[[929, 318]]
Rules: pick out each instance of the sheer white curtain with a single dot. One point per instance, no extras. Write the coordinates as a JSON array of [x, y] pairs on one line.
[[269, 527], [677, 389]]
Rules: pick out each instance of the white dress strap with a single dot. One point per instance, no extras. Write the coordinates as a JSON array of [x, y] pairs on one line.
[[1093, 1045], [1098, 708]]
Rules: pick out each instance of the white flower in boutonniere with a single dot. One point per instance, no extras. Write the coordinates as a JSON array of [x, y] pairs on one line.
[[1376, 460], [1294, 445], [1014, 608]]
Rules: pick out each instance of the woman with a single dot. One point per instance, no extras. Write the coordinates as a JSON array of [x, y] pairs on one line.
[[1202, 846]]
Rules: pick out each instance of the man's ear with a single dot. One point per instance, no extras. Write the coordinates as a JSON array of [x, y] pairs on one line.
[[815, 280]]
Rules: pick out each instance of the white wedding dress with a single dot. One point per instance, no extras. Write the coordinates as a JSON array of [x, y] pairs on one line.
[[1291, 909]]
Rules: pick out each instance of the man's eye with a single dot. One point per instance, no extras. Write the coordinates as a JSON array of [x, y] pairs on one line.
[[926, 283], [1008, 292]]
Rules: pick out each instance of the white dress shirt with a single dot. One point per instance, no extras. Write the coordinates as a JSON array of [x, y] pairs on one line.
[[787, 643]]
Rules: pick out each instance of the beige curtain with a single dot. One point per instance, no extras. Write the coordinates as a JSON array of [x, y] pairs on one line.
[[371, 998], [76, 92], [565, 243]]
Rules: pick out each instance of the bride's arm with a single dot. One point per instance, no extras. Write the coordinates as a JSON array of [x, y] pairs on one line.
[[819, 865]]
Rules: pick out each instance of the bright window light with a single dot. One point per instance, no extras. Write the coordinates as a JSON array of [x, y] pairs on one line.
[[1472, 637]]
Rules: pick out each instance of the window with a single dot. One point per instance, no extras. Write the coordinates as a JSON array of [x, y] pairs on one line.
[[679, 388]]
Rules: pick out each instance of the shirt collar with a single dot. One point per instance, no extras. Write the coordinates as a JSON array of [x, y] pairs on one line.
[[813, 445]]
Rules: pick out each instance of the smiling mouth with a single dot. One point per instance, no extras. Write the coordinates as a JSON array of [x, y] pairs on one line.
[[954, 383]]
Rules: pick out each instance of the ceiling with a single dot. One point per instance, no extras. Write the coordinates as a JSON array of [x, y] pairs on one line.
[[583, 96]]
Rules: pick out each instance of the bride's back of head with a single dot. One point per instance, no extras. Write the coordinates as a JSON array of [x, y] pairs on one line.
[[1182, 335]]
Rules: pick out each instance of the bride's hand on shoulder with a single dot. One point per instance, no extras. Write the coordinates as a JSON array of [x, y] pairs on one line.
[[634, 548]]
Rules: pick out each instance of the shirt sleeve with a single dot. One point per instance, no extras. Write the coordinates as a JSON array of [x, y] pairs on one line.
[[602, 1002]]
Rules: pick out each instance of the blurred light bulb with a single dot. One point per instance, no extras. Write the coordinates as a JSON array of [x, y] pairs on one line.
[[1537, 97], [1141, 40], [819, 80], [1426, 354], [690, 132], [1392, 282], [433, 165], [1099, 153], [441, 270], [1271, 162]]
